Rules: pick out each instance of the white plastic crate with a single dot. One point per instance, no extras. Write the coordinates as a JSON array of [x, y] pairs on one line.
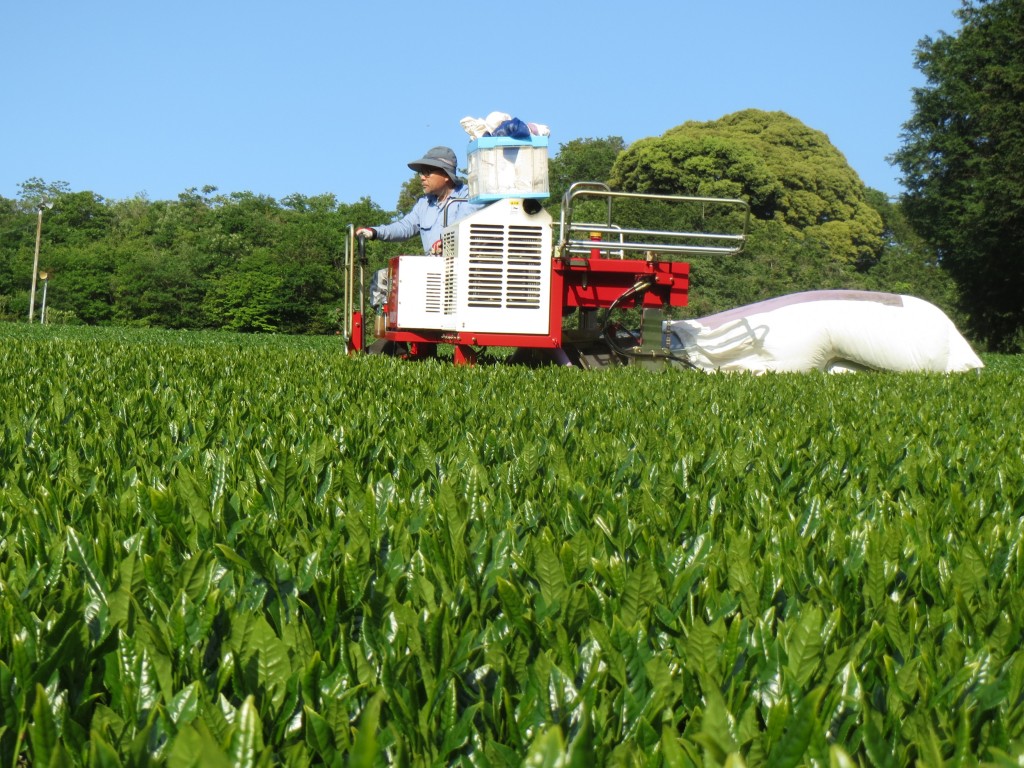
[[504, 168]]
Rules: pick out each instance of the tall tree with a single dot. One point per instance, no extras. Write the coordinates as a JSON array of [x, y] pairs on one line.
[[962, 160], [78, 218], [582, 160], [34, 191], [787, 171]]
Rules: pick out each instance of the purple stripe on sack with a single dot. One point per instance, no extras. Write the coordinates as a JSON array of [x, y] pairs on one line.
[[714, 321]]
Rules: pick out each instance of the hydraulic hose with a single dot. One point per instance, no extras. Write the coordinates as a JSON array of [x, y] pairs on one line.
[[639, 287]]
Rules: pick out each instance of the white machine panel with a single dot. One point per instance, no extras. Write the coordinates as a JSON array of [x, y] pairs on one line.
[[497, 271], [420, 298]]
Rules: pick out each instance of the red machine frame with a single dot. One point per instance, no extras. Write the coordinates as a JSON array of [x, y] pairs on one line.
[[586, 274]]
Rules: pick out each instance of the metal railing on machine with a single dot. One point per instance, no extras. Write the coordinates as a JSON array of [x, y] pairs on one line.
[[608, 239]]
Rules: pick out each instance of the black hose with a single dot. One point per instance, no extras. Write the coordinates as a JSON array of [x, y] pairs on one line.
[[641, 286]]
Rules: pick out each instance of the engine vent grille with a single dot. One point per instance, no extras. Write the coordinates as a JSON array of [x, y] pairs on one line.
[[505, 266], [433, 296]]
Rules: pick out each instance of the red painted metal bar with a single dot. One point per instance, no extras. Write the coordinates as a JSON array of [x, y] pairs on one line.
[[355, 343], [595, 283]]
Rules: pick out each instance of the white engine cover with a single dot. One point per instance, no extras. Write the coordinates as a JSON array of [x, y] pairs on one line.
[[497, 271]]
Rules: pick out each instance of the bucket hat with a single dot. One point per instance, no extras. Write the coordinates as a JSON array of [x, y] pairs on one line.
[[440, 158]]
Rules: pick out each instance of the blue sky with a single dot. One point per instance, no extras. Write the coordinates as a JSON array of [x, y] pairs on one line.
[[327, 96]]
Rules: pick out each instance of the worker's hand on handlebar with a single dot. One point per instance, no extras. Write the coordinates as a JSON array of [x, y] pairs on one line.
[[435, 249], [368, 232]]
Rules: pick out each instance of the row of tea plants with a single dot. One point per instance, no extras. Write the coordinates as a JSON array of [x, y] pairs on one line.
[[225, 550]]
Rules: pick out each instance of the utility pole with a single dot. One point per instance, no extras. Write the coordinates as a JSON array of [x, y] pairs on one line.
[[35, 262]]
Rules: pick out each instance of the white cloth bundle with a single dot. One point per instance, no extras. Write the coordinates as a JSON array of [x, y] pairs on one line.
[[478, 127], [828, 331]]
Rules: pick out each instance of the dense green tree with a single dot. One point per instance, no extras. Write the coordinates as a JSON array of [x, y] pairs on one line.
[[34, 191], [908, 264], [159, 289], [962, 160], [307, 258], [776, 261], [322, 204], [15, 236], [582, 160], [895, 227], [244, 221], [787, 172], [133, 218], [249, 298], [82, 280], [78, 218]]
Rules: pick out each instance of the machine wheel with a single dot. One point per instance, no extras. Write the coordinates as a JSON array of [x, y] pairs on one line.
[[388, 348]]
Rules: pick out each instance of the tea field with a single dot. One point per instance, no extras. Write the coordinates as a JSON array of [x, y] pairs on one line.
[[249, 550]]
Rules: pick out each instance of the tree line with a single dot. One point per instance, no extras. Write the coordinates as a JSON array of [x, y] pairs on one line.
[[247, 262], [250, 263], [238, 261]]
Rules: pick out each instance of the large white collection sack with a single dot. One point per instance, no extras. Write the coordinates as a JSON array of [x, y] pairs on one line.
[[826, 331]]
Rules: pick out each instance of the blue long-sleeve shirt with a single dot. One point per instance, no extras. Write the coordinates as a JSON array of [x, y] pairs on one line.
[[427, 218]]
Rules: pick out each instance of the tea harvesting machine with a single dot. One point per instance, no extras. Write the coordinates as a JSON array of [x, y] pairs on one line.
[[508, 276]]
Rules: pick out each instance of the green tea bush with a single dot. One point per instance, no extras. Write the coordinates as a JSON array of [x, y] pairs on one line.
[[226, 550]]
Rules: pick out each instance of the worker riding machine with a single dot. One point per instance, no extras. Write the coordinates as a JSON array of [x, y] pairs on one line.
[[509, 277]]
